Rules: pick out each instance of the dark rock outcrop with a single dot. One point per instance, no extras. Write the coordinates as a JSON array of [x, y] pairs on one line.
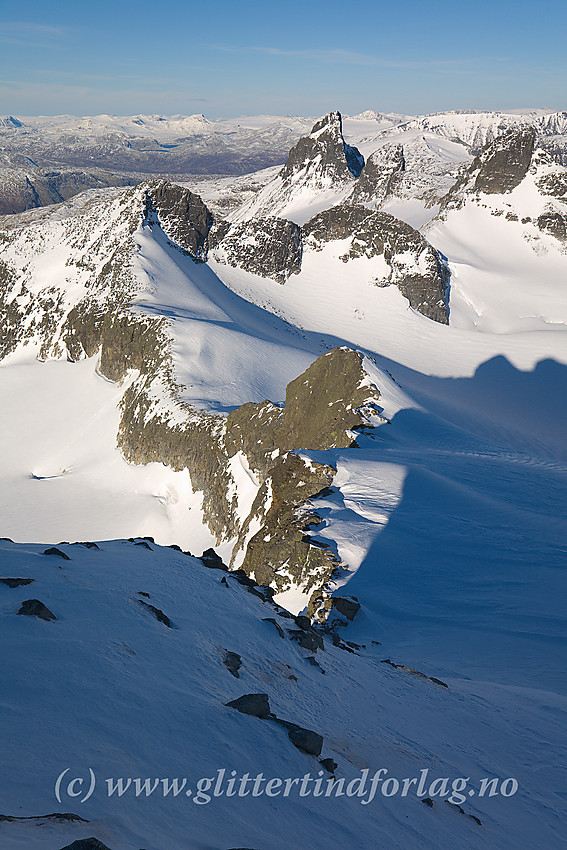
[[256, 705], [379, 176], [53, 550], [183, 216], [276, 625], [503, 164], [35, 608], [269, 247], [347, 606], [157, 612], [306, 740], [233, 662], [554, 223], [16, 582], [324, 153], [416, 268], [86, 844]]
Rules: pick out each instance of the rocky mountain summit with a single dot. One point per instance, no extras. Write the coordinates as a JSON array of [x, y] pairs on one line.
[[320, 165], [323, 155], [515, 177]]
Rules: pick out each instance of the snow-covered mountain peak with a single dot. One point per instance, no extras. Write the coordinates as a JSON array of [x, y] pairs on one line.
[[321, 168], [10, 122]]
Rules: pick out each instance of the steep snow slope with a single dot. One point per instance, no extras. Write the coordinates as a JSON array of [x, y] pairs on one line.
[[62, 474], [131, 697]]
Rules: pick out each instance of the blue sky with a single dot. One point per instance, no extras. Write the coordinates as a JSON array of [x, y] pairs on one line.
[[299, 57]]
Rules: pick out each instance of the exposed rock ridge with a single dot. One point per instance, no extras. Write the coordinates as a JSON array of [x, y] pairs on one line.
[[416, 268], [325, 406]]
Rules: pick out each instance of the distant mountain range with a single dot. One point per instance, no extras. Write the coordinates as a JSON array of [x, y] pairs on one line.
[[48, 159]]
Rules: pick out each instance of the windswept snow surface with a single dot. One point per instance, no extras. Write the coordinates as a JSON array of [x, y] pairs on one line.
[[127, 697]]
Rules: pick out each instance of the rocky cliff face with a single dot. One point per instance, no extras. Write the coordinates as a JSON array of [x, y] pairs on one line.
[[510, 161], [183, 216], [324, 155], [503, 164], [270, 247], [379, 176], [415, 267]]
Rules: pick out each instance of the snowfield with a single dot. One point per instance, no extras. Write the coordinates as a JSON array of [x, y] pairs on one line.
[[448, 517]]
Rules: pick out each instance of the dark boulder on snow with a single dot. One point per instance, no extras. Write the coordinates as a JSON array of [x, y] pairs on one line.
[[269, 247], [348, 606], [233, 662], [213, 561], [35, 608], [276, 624], [16, 582], [53, 550], [307, 640], [157, 612], [414, 266], [306, 740], [256, 705], [86, 844]]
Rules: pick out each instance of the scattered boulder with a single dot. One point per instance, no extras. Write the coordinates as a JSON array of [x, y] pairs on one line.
[[157, 612], [314, 663], [307, 640], [213, 561], [348, 606], [53, 550], [329, 764], [256, 705], [35, 608], [276, 624], [306, 740], [233, 662], [86, 844], [415, 672], [16, 582]]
